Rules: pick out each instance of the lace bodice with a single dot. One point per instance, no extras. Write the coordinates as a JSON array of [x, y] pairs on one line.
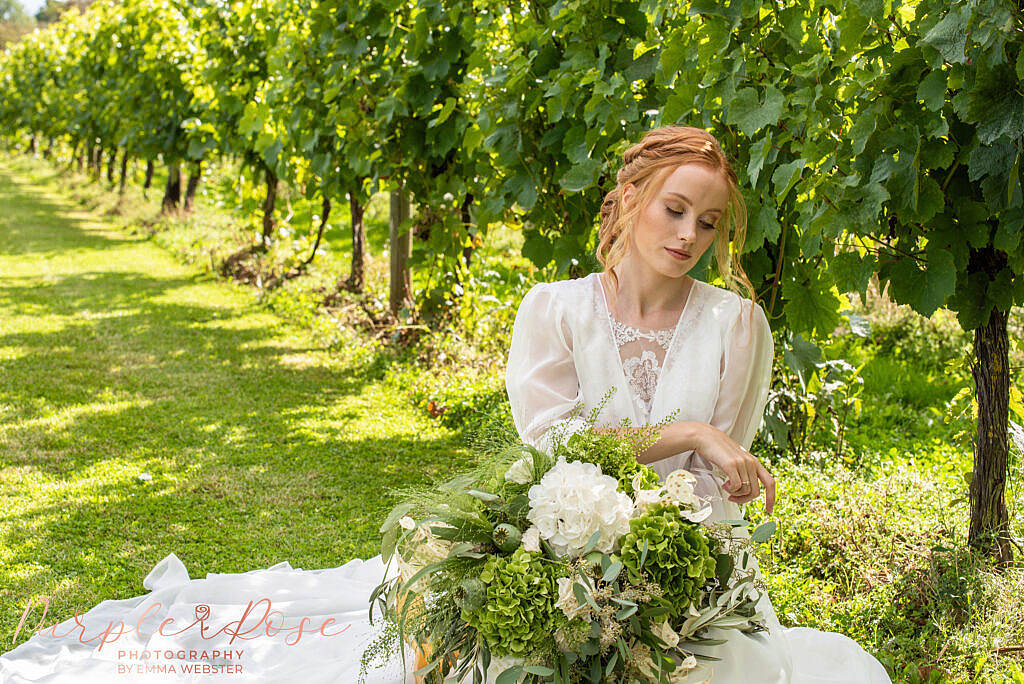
[[642, 353]]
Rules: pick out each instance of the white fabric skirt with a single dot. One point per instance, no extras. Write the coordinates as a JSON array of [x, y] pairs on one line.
[[311, 626]]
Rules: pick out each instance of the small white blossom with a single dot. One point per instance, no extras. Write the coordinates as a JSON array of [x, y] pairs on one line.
[[407, 523], [645, 498], [531, 539], [663, 630], [521, 471], [567, 599], [698, 515]]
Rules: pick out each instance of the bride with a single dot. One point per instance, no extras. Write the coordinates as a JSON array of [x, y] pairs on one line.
[[664, 340]]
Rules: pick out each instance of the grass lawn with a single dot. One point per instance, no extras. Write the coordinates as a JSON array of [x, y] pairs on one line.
[[115, 361]]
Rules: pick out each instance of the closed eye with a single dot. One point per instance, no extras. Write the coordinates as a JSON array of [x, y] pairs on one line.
[[672, 211]]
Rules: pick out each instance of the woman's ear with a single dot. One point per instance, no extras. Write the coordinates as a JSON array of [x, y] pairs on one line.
[[628, 194]]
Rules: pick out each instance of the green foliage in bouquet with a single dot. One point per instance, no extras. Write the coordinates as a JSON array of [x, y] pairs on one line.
[[518, 612], [613, 449], [675, 552], [615, 456]]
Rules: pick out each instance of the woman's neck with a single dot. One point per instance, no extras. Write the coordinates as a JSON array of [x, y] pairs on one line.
[[645, 296]]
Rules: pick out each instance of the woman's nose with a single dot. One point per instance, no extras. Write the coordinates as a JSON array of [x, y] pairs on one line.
[[687, 229]]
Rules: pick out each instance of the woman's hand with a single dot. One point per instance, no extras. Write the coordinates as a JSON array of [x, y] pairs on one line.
[[739, 465]]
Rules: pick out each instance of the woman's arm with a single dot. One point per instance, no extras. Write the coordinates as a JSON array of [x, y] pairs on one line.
[[673, 438]]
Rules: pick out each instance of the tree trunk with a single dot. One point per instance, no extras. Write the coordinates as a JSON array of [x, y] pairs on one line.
[[48, 152], [989, 529], [400, 249], [268, 206], [467, 251], [193, 183], [149, 175], [111, 162], [172, 193], [124, 172], [97, 172], [326, 211], [74, 156], [355, 276], [32, 145], [467, 221]]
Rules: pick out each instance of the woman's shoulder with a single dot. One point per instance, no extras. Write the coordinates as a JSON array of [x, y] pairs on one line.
[[559, 290], [722, 303]]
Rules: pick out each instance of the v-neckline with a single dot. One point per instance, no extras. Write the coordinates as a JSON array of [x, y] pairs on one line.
[[618, 357]]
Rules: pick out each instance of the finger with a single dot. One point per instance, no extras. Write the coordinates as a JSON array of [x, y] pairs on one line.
[[754, 488], [733, 472], [769, 488], [754, 476], [744, 493]]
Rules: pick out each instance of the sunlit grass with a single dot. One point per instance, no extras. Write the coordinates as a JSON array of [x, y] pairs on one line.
[[117, 361]]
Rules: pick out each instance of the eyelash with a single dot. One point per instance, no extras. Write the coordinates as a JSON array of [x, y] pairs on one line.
[[710, 226]]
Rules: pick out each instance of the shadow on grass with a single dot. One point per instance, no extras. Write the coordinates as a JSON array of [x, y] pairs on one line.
[[27, 216]]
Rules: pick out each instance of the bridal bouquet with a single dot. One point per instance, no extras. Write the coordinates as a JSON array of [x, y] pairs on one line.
[[578, 565]]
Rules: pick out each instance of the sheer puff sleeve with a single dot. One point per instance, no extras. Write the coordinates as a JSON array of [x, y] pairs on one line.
[[540, 376], [745, 375]]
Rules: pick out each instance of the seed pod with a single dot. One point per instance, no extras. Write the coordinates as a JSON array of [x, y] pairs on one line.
[[470, 594], [507, 537]]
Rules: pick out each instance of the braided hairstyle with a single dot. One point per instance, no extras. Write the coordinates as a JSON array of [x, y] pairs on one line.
[[646, 165]]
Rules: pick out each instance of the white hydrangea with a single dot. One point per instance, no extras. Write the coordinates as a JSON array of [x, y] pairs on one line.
[[573, 501]]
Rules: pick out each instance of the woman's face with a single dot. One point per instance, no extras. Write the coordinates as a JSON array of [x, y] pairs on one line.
[[680, 219]]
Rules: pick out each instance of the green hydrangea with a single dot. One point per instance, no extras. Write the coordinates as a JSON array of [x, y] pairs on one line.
[[517, 615], [615, 457], [680, 555]]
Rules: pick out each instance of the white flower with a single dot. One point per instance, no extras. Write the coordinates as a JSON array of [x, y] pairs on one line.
[[521, 471], [663, 630], [645, 498], [531, 539], [698, 515], [575, 500], [691, 672], [421, 547], [679, 488], [567, 599]]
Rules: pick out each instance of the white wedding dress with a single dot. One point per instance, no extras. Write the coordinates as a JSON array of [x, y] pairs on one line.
[[712, 366]]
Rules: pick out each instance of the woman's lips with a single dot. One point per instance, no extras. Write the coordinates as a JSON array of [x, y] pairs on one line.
[[678, 254]]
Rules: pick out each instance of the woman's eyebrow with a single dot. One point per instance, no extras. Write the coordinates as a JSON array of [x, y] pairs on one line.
[[679, 194]]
